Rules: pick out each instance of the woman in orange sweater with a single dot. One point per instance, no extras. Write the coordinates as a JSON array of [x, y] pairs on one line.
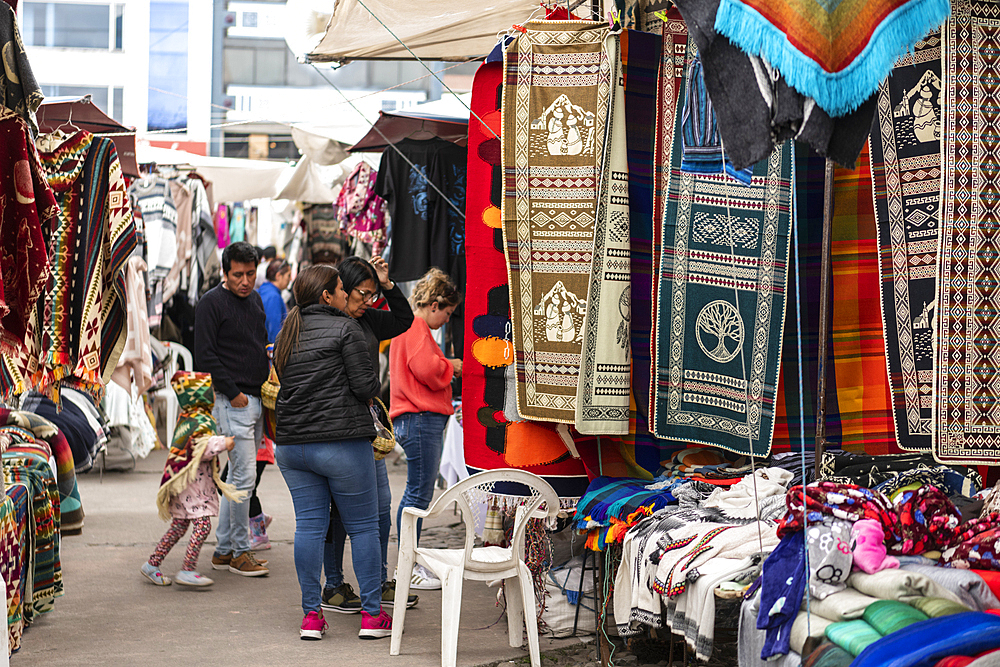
[[420, 397]]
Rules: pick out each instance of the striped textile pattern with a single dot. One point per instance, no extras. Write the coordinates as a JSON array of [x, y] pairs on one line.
[[835, 52], [859, 405]]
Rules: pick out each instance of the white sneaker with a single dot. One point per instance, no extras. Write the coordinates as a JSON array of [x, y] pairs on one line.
[[191, 578], [424, 580]]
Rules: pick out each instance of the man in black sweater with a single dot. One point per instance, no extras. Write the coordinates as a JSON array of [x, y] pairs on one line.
[[230, 342]]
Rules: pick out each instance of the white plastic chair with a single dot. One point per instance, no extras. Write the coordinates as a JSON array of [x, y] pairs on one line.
[[167, 393], [452, 566]]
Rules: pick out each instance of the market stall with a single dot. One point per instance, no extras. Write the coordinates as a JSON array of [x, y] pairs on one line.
[[763, 289]]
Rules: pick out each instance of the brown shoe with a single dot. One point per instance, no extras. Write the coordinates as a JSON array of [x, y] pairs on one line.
[[221, 562], [246, 565]]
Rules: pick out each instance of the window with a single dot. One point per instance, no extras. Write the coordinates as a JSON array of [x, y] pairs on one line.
[[118, 104], [72, 25], [67, 25], [279, 146], [168, 64], [270, 67], [238, 66], [119, 25], [255, 66], [268, 62]]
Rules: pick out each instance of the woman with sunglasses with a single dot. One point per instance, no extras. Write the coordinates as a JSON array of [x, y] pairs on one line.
[[362, 281]]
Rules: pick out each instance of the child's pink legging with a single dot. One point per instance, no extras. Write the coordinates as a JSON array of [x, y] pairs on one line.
[[202, 527]]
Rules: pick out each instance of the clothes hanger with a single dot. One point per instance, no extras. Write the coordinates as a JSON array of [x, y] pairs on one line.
[[419, 130], [68, 122]]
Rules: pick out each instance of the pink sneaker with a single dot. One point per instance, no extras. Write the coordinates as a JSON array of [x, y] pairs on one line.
[[313, 626], [375, 627]]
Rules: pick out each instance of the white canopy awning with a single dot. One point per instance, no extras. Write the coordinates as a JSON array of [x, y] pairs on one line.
[[433, 29], [232, 179]]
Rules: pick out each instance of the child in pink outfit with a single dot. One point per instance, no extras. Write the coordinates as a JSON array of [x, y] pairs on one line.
[[189, 489]]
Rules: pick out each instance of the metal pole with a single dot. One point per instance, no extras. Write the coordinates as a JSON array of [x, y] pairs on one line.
[[824, 313]]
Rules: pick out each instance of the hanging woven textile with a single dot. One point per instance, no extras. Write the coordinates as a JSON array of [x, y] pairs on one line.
[[495, 435], [722, 302], [906, 174], [836, 53], [675, 41], [24, 263], [18, 573], [604, 389], [966, 414], [33, 470], [859, 404], [70, 505], [555, 105], [795, 409], [650, 101]]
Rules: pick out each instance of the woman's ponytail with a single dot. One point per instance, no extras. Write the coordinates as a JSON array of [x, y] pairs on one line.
[[288, 338]]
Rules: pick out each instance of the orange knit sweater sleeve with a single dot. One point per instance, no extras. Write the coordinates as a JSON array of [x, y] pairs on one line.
[[426, 361]]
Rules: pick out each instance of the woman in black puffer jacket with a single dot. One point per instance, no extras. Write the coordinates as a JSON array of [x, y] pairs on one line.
[[324, 442], [362, 281]]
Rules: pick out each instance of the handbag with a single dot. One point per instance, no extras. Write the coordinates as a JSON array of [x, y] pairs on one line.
[[269, 390], [385, 438]]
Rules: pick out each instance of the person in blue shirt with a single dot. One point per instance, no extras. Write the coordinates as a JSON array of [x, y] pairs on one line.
[[278, 275]]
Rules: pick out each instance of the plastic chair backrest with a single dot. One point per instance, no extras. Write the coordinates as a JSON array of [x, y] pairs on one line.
[[470, 493], [178, 350]]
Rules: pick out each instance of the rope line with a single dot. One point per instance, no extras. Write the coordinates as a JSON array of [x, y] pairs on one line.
[[219, 126], [393, 146], [433, 73]]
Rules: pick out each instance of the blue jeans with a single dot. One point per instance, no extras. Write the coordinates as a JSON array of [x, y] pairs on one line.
[[333, 550], [421, 434], [246, 425], [342, 471]]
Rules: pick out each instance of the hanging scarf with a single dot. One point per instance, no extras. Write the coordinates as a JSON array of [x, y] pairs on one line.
[[63, 167], [19, 91], [360, 211], [24, 262], [106, 242], [195, 425]]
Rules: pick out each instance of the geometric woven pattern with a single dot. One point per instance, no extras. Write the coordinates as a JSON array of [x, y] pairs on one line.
[[906, 175], [18, 573], [675, 41], [967, 387], [553, 136], [602, 399], [722, 307], [33, 470], [490, 440], [196, 398]]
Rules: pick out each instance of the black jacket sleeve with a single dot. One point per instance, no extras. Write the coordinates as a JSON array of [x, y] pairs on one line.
[[386, 324], [206, 354], [361, 376]]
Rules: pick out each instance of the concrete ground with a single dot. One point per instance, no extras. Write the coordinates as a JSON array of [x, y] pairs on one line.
[[110, 615]]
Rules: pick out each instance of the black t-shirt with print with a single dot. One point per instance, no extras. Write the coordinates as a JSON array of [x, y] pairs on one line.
[[426, 231]]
